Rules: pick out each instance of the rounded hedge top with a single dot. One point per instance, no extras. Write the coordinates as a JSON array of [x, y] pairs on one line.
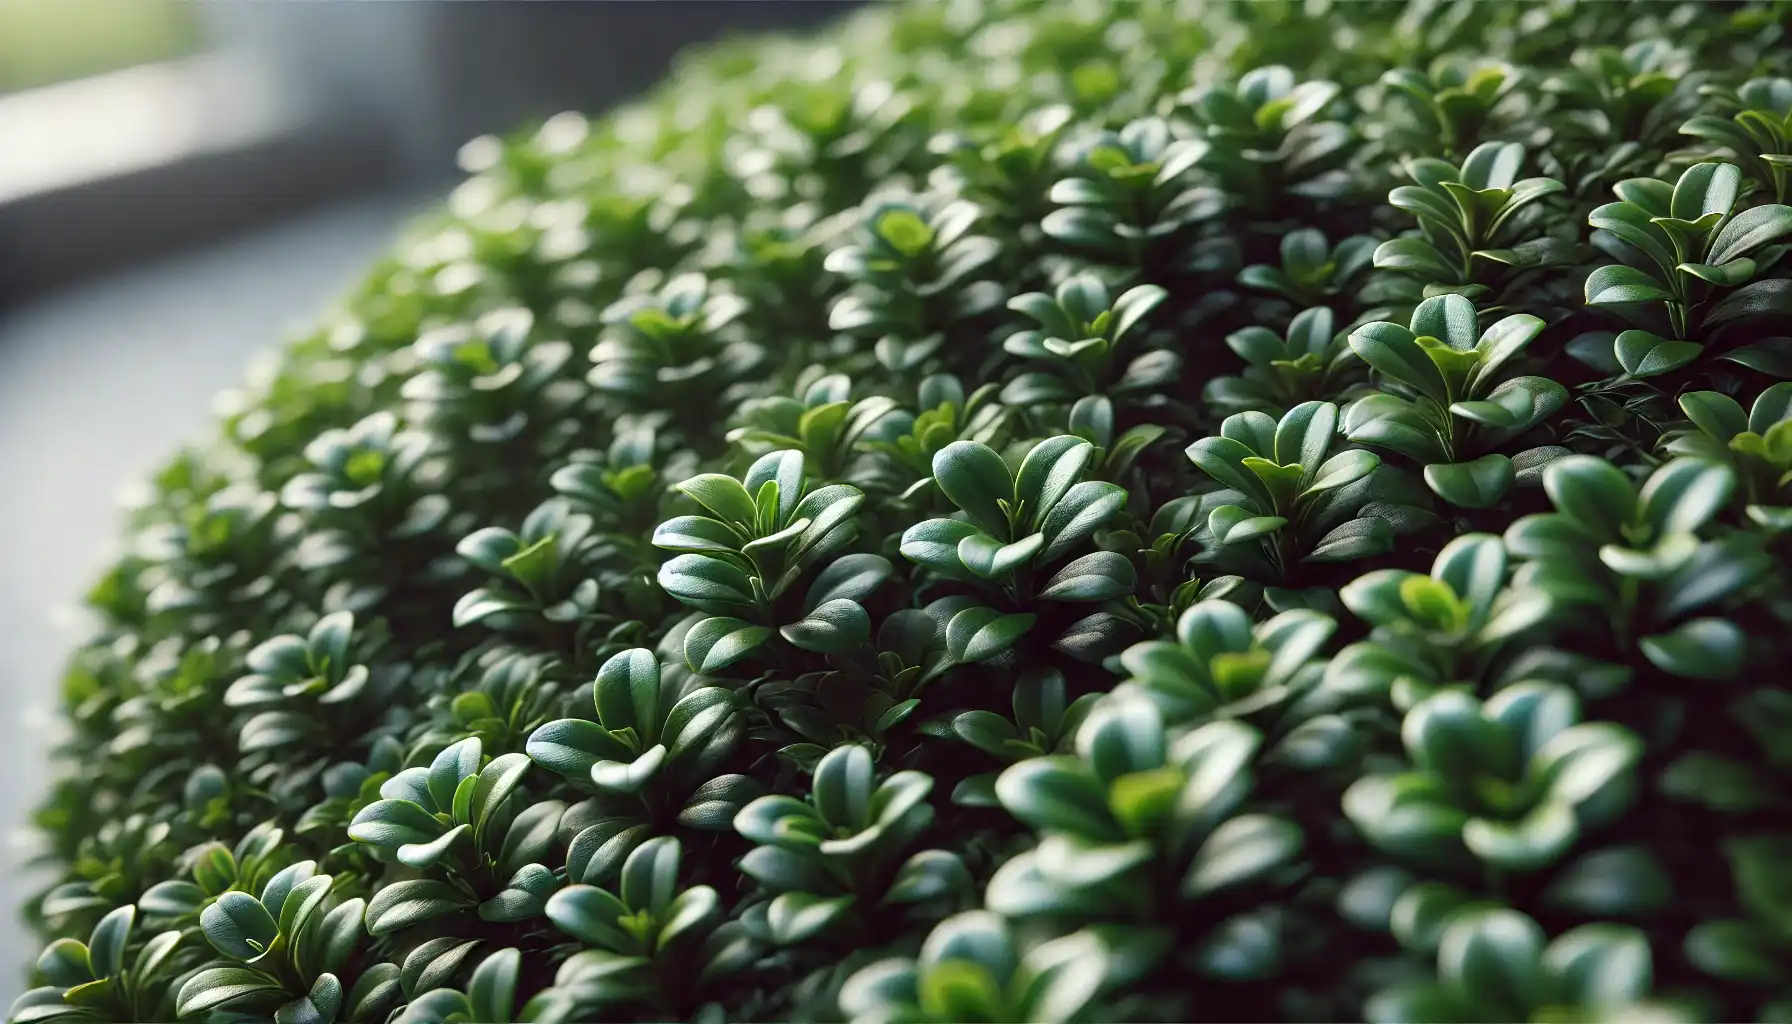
[[1004, 512]]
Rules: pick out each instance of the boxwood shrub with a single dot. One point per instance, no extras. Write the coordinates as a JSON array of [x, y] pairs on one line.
[[1084, 511]]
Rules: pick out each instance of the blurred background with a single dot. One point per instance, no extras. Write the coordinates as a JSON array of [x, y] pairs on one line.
[[181, 185]]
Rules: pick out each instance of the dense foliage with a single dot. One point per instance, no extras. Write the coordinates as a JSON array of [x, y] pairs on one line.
[[1082, 511]]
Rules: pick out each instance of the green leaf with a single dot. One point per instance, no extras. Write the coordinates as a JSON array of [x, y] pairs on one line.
[[434, 961], [706, 583], [935, 544], [1415, 256], [689, 915], [1763, 884], [961, 991], [65, 963], [534, 565], [1057, 794], [1622, 882], [238, 926], [213, 988], [1729, 275], [1527, 844], [488, 549], [336, 937], [650, 876], [1492, 165], [718, 642], [905, 231], [1763, 300], [1502, 341], [1478, 484], [1428, 206], [455, 763], [834, 628], [491, 991], [299, 906], [596, 853], [1474, 567], [1736, 951], [1358, 538], [715, 803], [627, 777], [1428, 1002], [173, 898], [1231, 524], [1642, 354], [975, 479], [1121, 736], [377, 989], [1222, 458], [105, 947], [980, 633], [848, 578], [1242, 850], [1085, 508], [1449, 318], [1685, 494], [1606, 966], [1097, 576], [975, 937], [784, 469], [781, 870], [760, 821], [1133, 305], [1255, 430], [1635, 227], [796, 917], [1492, 958], [402, 904], [627, 692], [1242, 948], [1716, 414], [987, 731], [1419, 913], [569, 747], [843, 786], [496, 782], [990, 559], [1591, 492], [1304, 435], [879, 985], [1588, 763], [824, 509], [1698, 649], [1342, 469], [590, 915], [1092, 418], [929, 875], [723, 496], [1705, 188], [1617, 284], [1748, 231], [1049, 470], [1391, 422], [1393, 351]]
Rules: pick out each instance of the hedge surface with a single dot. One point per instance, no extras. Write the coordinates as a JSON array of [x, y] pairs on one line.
[[1005, 511]]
